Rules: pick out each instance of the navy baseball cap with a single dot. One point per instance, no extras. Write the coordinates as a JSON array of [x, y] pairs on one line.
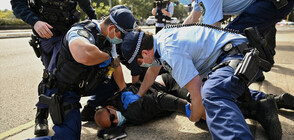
[[123, 19], [130, 48]]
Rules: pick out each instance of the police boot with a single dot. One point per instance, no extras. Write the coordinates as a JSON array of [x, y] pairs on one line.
[[260, 78], [285, 100], [265, 112], [88, 113], [41, 123]]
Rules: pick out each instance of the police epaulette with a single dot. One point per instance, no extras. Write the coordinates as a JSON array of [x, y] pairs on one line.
[[204, 25]]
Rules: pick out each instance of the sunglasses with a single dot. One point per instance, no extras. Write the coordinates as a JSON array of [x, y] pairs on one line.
[[111, 118]]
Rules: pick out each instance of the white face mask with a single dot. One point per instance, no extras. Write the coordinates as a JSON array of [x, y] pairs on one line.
[[185, 2]]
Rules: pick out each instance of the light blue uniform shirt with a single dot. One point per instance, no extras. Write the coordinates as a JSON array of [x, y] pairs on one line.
[[191, 51], [214, 10], [72, 35]]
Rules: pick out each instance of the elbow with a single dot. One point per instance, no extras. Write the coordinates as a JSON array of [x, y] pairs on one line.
[[194, 118], [86, 60]]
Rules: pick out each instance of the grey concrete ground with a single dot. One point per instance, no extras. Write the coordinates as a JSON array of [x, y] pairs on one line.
[[177, 126]]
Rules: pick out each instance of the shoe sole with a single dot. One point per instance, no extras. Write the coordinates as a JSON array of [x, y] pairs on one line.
[[288, 100]]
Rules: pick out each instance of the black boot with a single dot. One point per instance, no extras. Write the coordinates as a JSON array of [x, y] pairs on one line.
[[285, 100], [260, 78], [265, 112], [41, 123], [88, 113]]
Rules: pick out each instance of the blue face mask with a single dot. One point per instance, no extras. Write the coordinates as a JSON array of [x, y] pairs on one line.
[[185, 2], [121, 118], [115, 40], [154, 63]]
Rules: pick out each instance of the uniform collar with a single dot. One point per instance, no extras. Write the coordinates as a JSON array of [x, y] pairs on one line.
[[156, 54], [96, 22]]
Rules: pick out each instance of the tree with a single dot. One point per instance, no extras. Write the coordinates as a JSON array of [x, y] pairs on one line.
[[142, 8]]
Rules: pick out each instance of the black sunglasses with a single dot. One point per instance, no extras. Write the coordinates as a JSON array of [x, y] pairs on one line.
[[111, 118]]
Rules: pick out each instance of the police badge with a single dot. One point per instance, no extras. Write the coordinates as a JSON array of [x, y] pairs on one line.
[[167, 67], [202, 8], [84, 33]]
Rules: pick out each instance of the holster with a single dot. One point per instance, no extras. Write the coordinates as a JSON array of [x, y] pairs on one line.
[[256, 41], [250, 66], [55, 107], [34, 42]]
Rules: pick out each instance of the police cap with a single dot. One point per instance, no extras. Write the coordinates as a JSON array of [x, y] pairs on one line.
[[130, 48], [123, 19]]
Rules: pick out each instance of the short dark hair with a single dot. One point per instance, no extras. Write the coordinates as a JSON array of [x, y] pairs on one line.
[[146, 44], [108, 22]]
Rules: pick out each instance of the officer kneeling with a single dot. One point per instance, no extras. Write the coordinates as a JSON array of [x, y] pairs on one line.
[[195, 52], [82, 65]]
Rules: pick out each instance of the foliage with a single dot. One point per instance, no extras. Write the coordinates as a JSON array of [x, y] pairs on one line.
[[143, 8], [7, 18], [101, 7]]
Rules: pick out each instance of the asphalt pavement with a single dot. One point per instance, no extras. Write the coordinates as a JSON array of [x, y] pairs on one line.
[[278, 81]]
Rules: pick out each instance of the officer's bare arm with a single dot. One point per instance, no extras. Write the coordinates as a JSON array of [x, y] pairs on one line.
[[149, 79], [193, 17], [86, 53], [118, 75], [154, 11], [197, 108], [217, 24]]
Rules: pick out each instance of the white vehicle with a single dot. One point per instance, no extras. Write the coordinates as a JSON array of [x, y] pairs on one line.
[[174, 20], [150, 20], [284, 22]]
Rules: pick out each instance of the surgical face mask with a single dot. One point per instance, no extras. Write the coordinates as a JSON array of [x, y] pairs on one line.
[[115, 40], [185, 2], [121, 118], [154, 63]]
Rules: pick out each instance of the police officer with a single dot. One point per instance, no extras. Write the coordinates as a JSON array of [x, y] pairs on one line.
[[163, 11], [49, 20], [189, 53], [82, 65], [260, 14], [88, 111]]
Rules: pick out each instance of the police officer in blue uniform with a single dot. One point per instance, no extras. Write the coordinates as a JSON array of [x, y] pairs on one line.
[[83, 62], [191, 52], [137, 73], [49, 20], [260, 14]]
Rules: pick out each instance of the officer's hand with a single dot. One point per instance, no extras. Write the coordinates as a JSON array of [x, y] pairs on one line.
[[188, 111], [105, 63], [128, 97], [43, 29]]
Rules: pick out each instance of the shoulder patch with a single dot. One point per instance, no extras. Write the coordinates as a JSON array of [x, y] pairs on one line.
[[167, 67], [202, 7], [84, 33]]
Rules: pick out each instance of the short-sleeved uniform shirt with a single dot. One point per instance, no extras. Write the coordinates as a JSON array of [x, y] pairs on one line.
[[79, 32], [192, 50], [213, 10]]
